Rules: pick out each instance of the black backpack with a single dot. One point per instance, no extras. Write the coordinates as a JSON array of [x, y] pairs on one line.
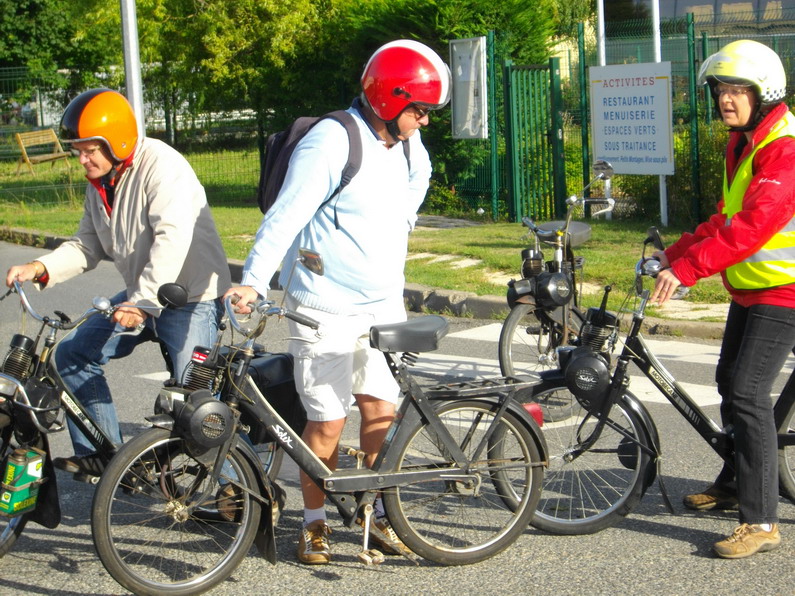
[[280, 146]]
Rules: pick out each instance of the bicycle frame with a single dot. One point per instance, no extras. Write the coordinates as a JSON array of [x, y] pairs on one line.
[[350, 489]]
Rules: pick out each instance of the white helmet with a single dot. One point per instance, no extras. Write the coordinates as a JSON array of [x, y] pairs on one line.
[[747, 62]]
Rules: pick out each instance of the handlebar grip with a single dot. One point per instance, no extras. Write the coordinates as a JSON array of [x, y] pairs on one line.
[[302, 319]]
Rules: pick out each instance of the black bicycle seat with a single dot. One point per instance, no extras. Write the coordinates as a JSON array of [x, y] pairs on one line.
[[579, 232], [415, 335]]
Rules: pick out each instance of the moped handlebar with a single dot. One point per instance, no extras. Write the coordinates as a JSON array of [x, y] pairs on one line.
[[264, 308], [100, 304]]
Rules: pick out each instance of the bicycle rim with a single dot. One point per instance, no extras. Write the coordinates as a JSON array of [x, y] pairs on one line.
[[462, 521], [146, 532], [585, 492]]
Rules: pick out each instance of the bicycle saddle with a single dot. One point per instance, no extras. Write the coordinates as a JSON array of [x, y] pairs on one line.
[[421, 334]]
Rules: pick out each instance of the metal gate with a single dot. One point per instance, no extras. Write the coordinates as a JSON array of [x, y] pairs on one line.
[[534, 141]]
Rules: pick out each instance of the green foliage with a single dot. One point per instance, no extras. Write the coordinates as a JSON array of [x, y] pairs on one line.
[[569, 13]]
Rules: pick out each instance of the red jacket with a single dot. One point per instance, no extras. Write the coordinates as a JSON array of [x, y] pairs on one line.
[[768, 205]]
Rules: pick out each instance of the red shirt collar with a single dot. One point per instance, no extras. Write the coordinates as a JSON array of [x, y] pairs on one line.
[[97, 182]]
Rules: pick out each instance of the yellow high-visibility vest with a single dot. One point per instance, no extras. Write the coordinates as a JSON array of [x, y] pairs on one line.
[[774, 263]]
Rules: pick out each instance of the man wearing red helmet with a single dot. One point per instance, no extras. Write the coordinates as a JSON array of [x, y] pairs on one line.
[[146, 210], [362, 235]]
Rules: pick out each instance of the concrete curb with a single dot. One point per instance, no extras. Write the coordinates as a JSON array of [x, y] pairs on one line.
[[424, 299]]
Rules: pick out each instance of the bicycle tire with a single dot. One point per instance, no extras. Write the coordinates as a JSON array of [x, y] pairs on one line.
[[586, 493], [148, 540], [529, 336], [10, 527], [786, 454], [457, 523]]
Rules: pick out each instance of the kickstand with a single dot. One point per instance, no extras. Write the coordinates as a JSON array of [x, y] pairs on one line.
[[369, 556], [663, 492]]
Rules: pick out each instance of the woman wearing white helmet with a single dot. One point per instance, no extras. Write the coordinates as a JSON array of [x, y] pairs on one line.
[[751, 242]]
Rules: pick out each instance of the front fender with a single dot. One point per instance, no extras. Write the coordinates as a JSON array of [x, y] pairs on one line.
[[273, 498]]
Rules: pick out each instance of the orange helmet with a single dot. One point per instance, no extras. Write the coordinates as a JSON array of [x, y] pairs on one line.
[[103, 115], [402, 73]]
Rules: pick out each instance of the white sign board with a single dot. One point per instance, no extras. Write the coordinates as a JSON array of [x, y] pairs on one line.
[[470, 100], [631, 117]]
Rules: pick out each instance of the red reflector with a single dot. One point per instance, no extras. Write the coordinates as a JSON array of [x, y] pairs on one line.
[[535, 411]]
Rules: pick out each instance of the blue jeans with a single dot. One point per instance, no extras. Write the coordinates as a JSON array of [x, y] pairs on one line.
[[756, 344], [80, 356]]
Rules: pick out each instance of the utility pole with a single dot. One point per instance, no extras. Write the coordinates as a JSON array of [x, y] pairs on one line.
[[132, 63]]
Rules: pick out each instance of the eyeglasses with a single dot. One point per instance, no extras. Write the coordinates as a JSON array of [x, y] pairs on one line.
[[731, 91], [420, 111], [87, 153]]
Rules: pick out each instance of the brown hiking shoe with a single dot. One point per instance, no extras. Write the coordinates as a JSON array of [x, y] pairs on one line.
[[747, 540], [711, 498], [313, 547]]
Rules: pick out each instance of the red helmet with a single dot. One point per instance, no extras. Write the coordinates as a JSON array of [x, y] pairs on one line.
[[101, 115], [402, 73]]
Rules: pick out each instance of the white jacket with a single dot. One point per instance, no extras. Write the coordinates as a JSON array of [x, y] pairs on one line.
[[160, 230]]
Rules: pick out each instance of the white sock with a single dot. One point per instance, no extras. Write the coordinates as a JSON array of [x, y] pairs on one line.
[[311, 515], [766, 527]]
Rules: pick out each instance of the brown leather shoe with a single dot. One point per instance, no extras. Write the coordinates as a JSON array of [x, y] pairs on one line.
[[746, 540], [711, 498]]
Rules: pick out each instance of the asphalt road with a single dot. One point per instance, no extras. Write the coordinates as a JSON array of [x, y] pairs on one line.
[[650, 552]]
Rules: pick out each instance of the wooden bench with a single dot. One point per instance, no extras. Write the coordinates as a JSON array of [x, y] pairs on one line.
[[38, 138]]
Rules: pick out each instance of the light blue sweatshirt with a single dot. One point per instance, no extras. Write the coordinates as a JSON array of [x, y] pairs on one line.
[[364, 259]]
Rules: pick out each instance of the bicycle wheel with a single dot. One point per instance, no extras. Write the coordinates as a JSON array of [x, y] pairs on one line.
[[270, 456], [151, 533], [10, 527], [529, 337], [786, 455], [455, 521], [585, 492]]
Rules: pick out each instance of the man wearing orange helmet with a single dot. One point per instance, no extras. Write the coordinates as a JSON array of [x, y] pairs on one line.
[[146, 210], [362, 235], [751, 242]]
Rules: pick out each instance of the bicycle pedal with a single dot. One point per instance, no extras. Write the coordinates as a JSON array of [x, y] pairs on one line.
[[87, 478], [371, 557]]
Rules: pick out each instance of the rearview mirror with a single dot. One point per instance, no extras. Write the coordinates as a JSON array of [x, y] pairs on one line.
[[654, 238], [603, 169], [172, 295]]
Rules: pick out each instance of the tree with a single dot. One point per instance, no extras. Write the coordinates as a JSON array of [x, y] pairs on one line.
[[569, 13]]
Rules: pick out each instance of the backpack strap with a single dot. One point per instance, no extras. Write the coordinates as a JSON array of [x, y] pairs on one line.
[[354, 155]]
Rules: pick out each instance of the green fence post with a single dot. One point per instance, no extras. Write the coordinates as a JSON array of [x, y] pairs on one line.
[[510, 154], [558, 152], [584, 115], [704, 54], [694, 151]]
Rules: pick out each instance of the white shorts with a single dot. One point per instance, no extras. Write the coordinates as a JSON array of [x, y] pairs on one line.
[[336, 362]]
